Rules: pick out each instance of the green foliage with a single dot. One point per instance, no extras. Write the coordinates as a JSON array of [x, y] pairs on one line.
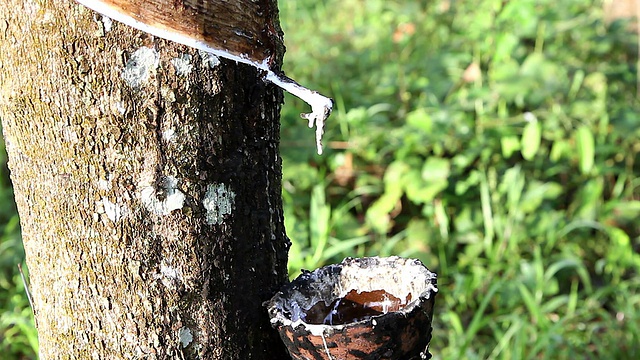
[[497, 141]]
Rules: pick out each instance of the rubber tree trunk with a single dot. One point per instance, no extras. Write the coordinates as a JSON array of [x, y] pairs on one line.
[[147, 179]]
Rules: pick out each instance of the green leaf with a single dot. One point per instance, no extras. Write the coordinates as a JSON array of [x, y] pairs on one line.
[[420, 191], [436, 169], [531, 138], [319, 216], [559, 149], [378, 214], [423, 186], [509, 144], [586, 149], [420, 119]]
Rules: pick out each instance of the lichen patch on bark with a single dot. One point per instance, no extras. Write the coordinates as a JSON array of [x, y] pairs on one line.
[[182, 64], [114, 211], [138, 69], [219, 202], [172, 198]]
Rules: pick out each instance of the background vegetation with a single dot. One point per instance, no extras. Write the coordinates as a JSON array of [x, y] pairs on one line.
[[497, 141]]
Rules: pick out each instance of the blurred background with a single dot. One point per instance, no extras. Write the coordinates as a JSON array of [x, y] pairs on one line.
[[497, 141]]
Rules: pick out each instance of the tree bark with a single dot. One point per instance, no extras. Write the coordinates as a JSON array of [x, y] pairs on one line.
[[147, 179]]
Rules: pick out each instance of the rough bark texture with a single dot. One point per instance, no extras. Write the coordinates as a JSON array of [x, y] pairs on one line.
[[147, 180]]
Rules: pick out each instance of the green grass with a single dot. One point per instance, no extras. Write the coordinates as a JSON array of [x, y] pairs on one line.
[[497, 141]]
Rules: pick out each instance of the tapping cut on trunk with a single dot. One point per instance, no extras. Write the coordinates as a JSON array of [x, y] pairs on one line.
[[244, 31]]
